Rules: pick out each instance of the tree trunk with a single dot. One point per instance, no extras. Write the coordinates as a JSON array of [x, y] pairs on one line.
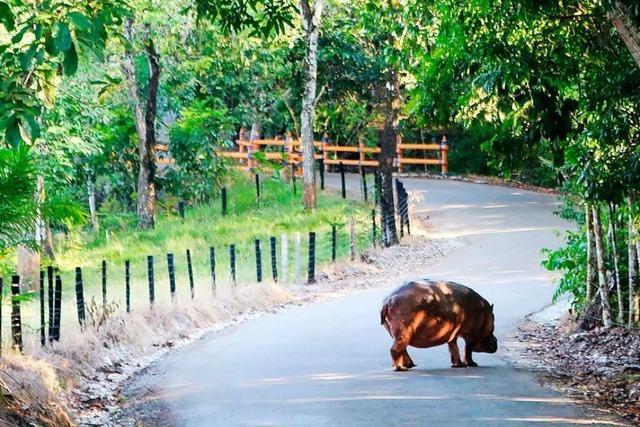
[[613, 230], [145, 120], [602, 274], [619, 17], [633, 266], [592, 267], [388, 146], [311, 15], [91, 194]]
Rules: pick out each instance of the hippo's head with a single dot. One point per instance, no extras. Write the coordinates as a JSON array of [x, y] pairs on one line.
[[490, 343]]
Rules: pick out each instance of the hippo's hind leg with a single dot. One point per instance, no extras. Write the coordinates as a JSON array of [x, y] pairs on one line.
[[399, 355], [455, 355], [468, 359], [406, 360]]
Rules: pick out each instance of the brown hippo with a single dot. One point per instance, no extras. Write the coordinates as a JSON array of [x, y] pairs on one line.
[[427, 313]]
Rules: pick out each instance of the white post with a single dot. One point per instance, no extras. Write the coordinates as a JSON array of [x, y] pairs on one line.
[[284, 257], [298, 257]]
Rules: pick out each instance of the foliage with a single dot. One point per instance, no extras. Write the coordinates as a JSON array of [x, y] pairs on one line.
[[571, 259]]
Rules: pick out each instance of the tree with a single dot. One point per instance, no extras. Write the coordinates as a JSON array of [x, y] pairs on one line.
[[145, 110], [311, 15]]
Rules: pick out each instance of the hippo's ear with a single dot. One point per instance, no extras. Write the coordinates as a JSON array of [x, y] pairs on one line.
[[492, 308]]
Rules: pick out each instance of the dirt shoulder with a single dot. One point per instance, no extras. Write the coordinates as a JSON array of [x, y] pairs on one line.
[[599, 368]]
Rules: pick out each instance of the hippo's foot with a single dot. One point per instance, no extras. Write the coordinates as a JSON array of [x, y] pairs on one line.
[[399, 368], [459, 365], [472, 364]]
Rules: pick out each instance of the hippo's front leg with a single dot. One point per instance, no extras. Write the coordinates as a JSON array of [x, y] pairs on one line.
[[455, 355], [468, 359]]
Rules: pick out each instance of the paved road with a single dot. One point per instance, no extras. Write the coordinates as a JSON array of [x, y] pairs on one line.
[[328, 364]]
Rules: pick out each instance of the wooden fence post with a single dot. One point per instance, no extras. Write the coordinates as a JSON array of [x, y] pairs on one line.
[[16, 319], [311, 271], [151, 280], [284, 257], [190, 272], [80, 297], [43, 338]]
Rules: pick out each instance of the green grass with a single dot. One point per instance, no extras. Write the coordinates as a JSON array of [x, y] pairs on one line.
[[278, 212]]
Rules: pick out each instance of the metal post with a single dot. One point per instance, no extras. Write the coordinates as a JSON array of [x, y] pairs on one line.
[[181, 209], [104, 282], [274, 265], [224, 201], [232, 262], [190, 272], [172, 276], [258, 261], [57, 311], [127, 284], [364, 185], [50, 292], [80, 297], [343, 185], [151, 280], [311, 271], [16, 319], [43, 338], [257, 186]]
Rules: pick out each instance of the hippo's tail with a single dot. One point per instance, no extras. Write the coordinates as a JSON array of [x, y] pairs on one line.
[[383, 313]]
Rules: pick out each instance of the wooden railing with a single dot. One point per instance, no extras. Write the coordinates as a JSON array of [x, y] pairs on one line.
[[290, 152]]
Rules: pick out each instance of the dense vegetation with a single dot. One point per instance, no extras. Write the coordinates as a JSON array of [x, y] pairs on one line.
[[540, 90]]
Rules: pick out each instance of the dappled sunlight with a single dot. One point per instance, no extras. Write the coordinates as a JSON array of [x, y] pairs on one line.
[[554, 420], [455, 232]]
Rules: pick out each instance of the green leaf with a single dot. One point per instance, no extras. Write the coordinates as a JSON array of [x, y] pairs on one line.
[[80, 21], [70, 62], [34, 128], [6, 16], [63, 37], [12, 132]]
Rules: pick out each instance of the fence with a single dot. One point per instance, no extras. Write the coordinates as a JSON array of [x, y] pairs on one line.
[[289, 151], [67, 297]]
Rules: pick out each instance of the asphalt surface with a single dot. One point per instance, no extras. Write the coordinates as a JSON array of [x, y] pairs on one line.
[[329, 364]]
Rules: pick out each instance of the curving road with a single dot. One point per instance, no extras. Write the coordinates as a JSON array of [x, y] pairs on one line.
[[328, 364]]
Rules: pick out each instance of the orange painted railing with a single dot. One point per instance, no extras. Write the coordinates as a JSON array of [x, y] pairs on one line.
[[330, 154], [290, 152]]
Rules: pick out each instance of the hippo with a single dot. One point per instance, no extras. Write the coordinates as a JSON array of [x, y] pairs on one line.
[[429, 313]]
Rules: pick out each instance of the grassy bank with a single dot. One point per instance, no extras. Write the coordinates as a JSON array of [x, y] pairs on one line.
[[278, 212]]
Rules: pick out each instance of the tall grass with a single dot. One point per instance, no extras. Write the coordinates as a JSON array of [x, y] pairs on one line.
[[278, 212]]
